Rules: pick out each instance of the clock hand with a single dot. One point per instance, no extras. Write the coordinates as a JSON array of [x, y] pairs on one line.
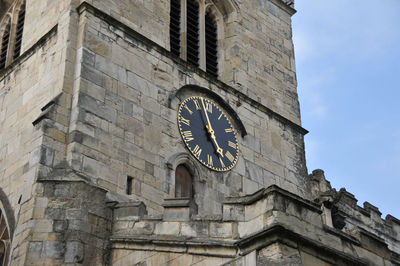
[[210, 130]]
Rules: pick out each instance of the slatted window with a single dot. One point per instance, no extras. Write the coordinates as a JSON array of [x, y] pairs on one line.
[[4, 46], [192, 28], [193, 33], [4, 240], [183, 182], [175, 27], [211, 45], [19, 31]]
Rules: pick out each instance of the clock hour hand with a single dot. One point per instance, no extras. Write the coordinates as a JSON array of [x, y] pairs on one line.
[[210, 130]]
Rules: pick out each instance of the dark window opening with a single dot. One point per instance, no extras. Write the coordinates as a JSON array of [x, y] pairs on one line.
[[4, 46], [183, 182], [129, 182], [20, 29], [211, 45], [4, 241], [192, 11], [174, 30]]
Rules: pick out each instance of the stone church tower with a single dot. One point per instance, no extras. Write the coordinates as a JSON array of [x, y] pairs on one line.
[[165, 132]]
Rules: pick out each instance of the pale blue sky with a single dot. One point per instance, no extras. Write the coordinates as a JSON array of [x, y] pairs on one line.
[[348, 70]]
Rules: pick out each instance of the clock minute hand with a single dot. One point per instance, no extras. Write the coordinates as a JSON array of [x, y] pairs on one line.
[[210, 130]]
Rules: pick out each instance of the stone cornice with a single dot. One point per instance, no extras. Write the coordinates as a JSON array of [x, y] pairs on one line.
[[287, 8], [86, 7], [42, 41], [265, 192], [276, 233]]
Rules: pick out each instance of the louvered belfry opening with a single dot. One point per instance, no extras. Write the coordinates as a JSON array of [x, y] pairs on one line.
[[174, 29], [4, 240], [20, 29], [211, 45], [4, 46], [192, 32]]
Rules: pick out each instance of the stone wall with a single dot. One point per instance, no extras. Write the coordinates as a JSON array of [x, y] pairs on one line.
[[256, 48], [72, 222], [28, 88], [124, 122], [25, 87], [270, 227]]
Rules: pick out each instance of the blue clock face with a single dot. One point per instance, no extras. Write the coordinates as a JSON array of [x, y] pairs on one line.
[[208, 133]]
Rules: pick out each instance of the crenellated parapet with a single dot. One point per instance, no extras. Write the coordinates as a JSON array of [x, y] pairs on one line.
[[364, 223], [258, 221]]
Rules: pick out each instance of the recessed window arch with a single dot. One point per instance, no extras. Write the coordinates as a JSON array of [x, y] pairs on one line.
[[183, 182], [11, 33], [4, 240]]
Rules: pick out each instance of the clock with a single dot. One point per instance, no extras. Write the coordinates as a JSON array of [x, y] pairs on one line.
[[208, 133]]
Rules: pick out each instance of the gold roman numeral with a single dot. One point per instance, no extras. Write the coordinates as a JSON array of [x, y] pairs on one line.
[[228, 130], [232, 145], [185, 121], [222, 163], [208, 107], [196, 102], [209, 159], [219, 117], [187, 135], [229, 156], [197, 151], [187, 108]]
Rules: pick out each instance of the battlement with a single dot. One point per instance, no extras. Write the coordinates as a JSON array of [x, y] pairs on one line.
[[258, 220], [356, 220]]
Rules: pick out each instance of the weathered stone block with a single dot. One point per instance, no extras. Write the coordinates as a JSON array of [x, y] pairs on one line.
[[53, 249], [167, 228], [127, 210], [221, 230], [74, 252]]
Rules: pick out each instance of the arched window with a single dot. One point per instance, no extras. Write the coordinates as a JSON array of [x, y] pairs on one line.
[[11, 32], [183, 182], [4, 240], [5, 41], [211, 45], [19, 31]]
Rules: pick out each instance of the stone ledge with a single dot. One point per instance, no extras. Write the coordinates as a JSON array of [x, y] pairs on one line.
[[287, 8], [232, 248], [129, 210], [263, 193], [42, 41], [390, 218], [280, 233], [176, 202], [197, 246], [341, 234], [46, 110]]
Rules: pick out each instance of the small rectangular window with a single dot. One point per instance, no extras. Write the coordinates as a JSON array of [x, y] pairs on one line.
[[129, 182]]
